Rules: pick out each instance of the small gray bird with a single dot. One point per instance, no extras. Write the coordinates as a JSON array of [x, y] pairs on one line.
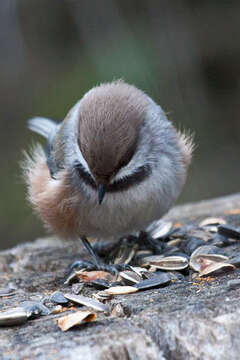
[[111, 168]]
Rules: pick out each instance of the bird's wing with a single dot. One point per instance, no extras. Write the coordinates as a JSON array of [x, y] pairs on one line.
[[48, 129]]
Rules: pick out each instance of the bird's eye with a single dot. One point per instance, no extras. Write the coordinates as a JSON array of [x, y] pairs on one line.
[[124, 161], [84, 175], [121, 164]]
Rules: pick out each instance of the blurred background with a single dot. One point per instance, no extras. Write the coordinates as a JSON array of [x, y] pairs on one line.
[[185, 54]]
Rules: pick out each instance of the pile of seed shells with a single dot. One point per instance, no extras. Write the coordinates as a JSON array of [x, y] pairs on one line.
[[166, 252], [198, 248]]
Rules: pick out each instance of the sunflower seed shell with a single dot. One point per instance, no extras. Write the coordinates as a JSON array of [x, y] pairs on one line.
[[229, 231], [212, 221], [67, 322], [120, 290], [16, 316], [130, 277], [84, 300], [214, 267], [160, 279], [197, 261], [167, 263]]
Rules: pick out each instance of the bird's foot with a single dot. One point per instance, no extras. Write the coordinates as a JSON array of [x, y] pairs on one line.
[[90, 266], [148, 242]]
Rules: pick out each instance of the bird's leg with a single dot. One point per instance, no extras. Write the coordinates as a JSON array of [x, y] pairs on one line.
[[88, 246], [97, 263]]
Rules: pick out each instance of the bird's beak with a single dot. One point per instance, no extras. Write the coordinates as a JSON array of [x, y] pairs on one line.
[[101, 193]]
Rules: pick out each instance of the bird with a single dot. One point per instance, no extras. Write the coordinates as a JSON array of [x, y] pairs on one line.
[[111, 168]]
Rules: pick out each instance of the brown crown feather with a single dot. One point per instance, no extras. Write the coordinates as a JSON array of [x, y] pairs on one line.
[[110, 116]]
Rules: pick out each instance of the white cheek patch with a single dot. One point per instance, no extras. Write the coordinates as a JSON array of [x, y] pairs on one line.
[[125, 171]]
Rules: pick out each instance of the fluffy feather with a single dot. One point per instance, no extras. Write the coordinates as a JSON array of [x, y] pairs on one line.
[[186, 145], [52, 200]]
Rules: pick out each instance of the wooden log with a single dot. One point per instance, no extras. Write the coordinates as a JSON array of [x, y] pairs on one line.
[[189, 319]]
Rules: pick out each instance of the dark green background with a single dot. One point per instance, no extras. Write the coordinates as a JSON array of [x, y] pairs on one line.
[[185, 54]]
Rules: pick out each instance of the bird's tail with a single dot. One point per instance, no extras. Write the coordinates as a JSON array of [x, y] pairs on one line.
[[42, 126]]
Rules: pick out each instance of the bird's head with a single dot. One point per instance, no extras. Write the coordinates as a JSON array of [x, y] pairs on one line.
[[109, 120]]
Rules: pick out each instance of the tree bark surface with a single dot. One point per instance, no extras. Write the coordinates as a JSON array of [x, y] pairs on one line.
[[184, 320]]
